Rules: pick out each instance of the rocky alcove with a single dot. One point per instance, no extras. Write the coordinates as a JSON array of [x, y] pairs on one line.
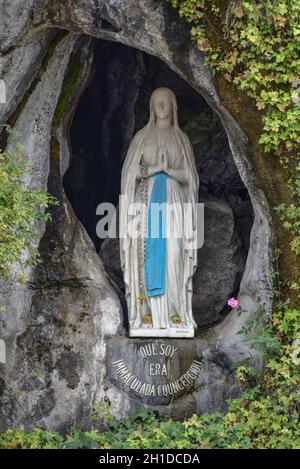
[[61, 325], [110, 111]]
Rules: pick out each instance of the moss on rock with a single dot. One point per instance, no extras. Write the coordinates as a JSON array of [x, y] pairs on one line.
[[69, 84]]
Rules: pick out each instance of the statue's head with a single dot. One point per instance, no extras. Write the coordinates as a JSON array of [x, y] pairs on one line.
[[163, 104]]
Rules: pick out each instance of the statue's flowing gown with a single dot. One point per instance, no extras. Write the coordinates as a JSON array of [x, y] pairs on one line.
[[170, 304], [159, 297]]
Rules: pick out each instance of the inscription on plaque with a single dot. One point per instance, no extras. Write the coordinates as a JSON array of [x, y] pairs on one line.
[[150, 353]]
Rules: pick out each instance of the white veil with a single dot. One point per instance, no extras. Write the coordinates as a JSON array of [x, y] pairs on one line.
[[128, 186]]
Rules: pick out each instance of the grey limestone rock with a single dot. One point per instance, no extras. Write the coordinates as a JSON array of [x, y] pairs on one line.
[[57, 327]]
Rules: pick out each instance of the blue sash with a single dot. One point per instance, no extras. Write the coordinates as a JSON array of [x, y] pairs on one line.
[[155, 261]]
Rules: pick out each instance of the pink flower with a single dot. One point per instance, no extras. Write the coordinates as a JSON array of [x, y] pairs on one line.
[[233, 303]]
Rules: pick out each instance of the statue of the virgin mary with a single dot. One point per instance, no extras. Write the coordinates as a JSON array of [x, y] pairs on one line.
[[159, 192]]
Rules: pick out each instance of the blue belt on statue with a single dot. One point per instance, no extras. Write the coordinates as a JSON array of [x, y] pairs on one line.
[[155, 261]]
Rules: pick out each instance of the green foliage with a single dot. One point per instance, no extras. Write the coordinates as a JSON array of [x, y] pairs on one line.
[[36, 439], [290, 213], [258, 333], [259, 52], [22, 209], [268, 422], [78, 439]]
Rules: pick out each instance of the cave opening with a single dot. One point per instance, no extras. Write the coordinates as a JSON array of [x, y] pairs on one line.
[[112, 108]]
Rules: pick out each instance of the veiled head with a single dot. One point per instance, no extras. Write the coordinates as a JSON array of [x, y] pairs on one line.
[[163, 103]]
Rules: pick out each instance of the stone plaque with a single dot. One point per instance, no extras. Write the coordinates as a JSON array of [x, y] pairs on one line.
[[156, 371]]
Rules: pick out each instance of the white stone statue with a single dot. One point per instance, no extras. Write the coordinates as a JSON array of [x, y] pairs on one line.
[[159, 171]]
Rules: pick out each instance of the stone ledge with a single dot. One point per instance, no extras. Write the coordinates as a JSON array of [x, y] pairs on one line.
[[163, 333]]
